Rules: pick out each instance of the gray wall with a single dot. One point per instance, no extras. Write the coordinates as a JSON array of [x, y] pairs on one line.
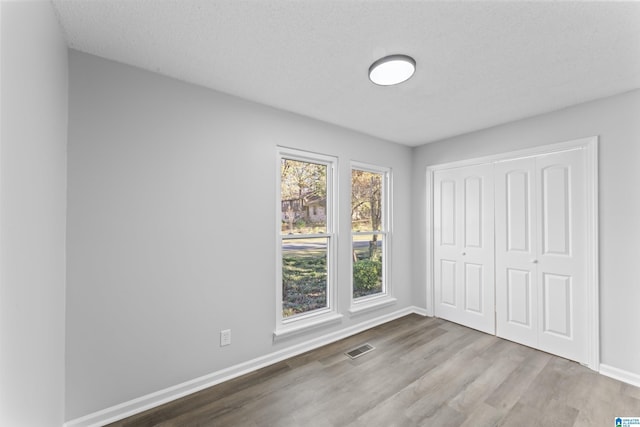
[[616, 121], [32, 215], [171, 214]]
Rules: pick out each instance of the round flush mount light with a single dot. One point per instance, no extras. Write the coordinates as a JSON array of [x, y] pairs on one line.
[[392, 69]]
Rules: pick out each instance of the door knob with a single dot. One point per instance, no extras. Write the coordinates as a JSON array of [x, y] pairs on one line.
[[534, 261], [464, 253]]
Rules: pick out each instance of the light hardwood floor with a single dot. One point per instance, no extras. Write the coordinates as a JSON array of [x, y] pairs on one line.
[[423, 372]]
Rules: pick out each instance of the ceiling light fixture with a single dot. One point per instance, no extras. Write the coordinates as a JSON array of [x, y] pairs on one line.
[[392, 69]]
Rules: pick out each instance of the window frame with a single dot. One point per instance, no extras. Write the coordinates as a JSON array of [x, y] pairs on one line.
[[286, 326], [384, 298]]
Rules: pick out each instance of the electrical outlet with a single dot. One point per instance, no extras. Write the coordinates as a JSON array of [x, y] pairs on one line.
[[225, 337]]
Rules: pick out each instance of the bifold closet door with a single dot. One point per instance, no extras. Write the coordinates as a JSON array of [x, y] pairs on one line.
[[516, 251], [540, 231], [463, 246]]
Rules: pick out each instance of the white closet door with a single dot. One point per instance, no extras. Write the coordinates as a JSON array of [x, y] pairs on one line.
[[463, 246], [540, 253], [516, 252], [562, 292]]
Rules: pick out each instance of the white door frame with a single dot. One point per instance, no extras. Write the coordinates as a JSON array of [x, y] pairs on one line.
[[590, 146]]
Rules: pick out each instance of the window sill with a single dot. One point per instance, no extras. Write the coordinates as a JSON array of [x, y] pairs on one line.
[[371, 305], [306, 325]]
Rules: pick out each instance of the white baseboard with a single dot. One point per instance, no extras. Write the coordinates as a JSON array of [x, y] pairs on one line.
[[143, 403], [421, 311], [620, 375]]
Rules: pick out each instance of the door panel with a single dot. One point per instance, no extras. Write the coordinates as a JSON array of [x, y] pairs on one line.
[[473, 287], [448, 212], [540, 258], [518, 211], [557, 305], [448, 282], [473, 212], [556, 218], [516, 275], [463, 246], [519, 299], [562, 260]]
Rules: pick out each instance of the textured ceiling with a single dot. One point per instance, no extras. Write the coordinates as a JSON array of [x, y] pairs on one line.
[[479, 64]]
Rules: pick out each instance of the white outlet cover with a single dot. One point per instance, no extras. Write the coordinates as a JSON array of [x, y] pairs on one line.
[[225, 337]]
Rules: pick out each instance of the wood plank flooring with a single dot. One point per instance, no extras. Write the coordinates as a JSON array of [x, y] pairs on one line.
[[423, 372]]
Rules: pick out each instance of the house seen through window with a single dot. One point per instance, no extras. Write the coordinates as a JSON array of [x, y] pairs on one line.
[[305, 236]]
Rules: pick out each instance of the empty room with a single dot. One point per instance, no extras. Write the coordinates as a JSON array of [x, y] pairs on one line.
[[319, 213]]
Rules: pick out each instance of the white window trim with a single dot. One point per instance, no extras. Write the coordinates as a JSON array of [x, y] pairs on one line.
[[373, 302], [291, 326], [370, 304]]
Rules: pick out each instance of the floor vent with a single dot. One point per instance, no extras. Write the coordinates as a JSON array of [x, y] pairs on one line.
[[357, 352]]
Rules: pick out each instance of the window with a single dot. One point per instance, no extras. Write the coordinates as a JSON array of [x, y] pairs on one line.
[[306, 238], [369, 231]]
